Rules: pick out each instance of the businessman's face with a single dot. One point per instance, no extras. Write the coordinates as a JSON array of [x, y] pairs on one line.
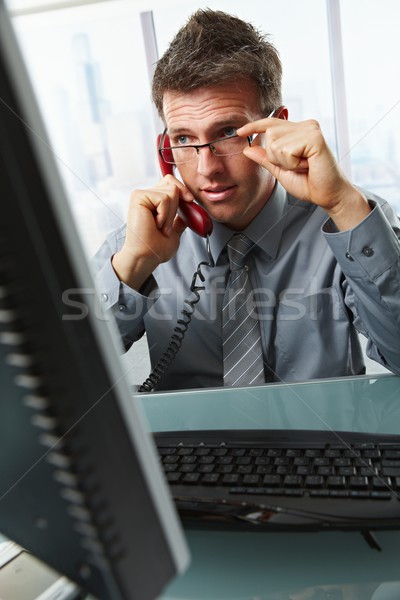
[[232, 189]]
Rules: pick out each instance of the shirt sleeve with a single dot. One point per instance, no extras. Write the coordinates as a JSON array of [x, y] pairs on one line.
[[127, 306], [369, 256]]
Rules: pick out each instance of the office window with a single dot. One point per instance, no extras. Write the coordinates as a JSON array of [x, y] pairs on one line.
[[89, 72], [371, 47]]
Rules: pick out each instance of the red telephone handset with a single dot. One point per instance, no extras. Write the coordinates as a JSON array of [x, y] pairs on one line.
[[193, 215]]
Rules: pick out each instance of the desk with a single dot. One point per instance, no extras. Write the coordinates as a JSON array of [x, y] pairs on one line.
[[277, 566]]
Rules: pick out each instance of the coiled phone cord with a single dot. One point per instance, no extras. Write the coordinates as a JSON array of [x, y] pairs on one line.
[[181, 327]]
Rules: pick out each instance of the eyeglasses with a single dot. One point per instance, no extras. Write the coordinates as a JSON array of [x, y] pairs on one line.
[[227, 146]]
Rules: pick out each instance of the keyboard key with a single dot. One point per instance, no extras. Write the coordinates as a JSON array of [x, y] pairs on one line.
[[166, 451], [362, 494], [205, 468], [381, 483], [301, 461], [378, 495], [319, 493], [262, 460], [251, 479], [264, 469], [170, 468], [187, 468], [342, 462], [230, 479], [219, 451], [332, 453], [244, 469], [292, 481], [188, 460], [293, 492], [314, 481], [284, 470], [256, 452], [304, 470], [391, 463], [211, 478], [325, 471], [336, 481], [169, 459], [224, 469], [321, 462], [274, 452], [185, 451], [272, 480], [346, 471], [191, 477], [237, 452], [206, 460], [243, 460], [293, 452], [173, 477], [224, 460], [388, 454], [202, 451], [339, 493], [281, 461], [390, 472], [312, 453], [358, 482]]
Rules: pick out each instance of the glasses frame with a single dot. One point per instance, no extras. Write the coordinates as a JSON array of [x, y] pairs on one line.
[[197, 147]]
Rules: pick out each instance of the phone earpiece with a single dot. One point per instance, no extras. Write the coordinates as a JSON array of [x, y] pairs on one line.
[[193, 215]]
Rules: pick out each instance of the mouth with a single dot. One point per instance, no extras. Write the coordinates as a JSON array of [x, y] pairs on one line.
[[218, 192]]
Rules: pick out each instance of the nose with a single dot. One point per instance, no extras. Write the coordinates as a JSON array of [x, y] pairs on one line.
[[207, 163]]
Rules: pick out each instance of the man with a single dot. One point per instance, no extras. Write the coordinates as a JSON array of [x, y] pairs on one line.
[[322, 256]]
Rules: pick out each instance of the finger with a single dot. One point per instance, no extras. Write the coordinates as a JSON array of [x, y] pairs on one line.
[[259, 126], [268, 160], [178, 225], [171, 182], [165, 210]]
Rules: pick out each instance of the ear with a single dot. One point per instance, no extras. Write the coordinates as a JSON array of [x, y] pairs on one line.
[[282, 113]]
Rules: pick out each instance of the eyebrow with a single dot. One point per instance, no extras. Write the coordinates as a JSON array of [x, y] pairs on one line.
[[235, 121]]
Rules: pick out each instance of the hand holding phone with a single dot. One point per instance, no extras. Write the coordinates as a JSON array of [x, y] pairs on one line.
[[193, 215]]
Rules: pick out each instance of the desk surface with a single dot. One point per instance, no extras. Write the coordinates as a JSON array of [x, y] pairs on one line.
[[285, 566], [292, 566]]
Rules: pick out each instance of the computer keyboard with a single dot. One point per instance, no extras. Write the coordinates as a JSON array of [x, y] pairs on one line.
[[280, 479]]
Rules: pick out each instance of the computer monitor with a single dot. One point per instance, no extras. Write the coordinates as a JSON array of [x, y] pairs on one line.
[[80, 483]]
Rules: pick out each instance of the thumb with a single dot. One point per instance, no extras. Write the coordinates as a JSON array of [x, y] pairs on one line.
[[259, 156]]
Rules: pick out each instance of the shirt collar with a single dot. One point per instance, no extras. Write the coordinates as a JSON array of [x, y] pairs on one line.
[[265, 230]]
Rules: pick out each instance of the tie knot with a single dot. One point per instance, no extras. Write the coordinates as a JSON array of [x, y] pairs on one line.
[[239, 247]]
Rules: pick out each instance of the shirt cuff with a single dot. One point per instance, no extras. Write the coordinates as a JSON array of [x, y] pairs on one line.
[[120, 298], [369, 249]]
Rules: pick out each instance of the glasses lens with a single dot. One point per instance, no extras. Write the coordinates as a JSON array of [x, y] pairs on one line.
[[229, 146], [183, 154], [167, 155]]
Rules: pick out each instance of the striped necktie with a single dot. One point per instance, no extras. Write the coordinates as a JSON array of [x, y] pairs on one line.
[[241, 338]]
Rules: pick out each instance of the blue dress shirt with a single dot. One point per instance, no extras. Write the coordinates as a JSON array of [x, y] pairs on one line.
[[316, 288]]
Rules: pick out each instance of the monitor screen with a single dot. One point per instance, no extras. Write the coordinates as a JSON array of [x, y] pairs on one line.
[[80, 483]]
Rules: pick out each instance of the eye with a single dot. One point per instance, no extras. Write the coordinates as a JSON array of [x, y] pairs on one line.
[[229, 131], [182, 140]]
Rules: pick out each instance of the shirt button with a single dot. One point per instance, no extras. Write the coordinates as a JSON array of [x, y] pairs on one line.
[[122, 307], [349, 256], [246, 267], [367, 251], [104, 297]]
